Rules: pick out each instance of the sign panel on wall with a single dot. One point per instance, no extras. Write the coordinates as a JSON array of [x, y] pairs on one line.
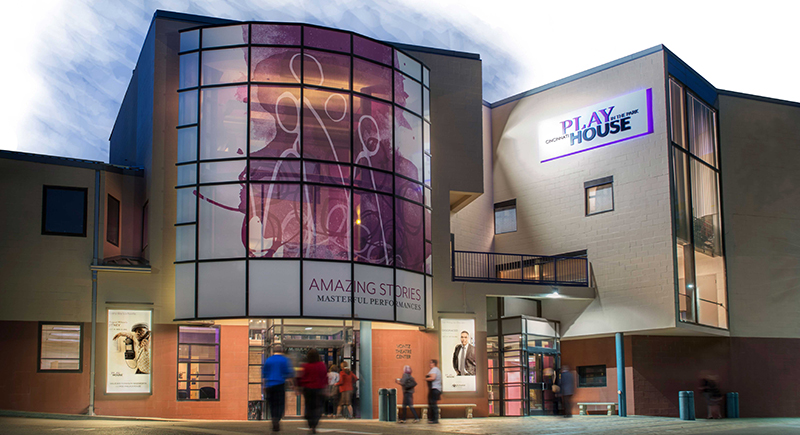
[[616, 120], [129, 348], [459, 356]]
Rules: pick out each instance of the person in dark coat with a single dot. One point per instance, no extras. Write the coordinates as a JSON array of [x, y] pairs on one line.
[[408, 383], [314, 380]]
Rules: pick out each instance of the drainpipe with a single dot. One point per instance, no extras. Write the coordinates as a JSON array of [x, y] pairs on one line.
[[621, 390], [93, 349]]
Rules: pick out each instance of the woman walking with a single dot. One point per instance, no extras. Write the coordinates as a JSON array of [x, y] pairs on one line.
[[346, 378], [314, 380], [408, 383]]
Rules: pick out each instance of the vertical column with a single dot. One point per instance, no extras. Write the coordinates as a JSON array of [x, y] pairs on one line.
[[623, 409], [365, 366]]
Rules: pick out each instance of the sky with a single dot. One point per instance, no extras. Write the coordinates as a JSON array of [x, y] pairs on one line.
[[67, 63]]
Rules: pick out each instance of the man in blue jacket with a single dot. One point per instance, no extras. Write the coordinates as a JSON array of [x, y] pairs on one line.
[[275, 371]]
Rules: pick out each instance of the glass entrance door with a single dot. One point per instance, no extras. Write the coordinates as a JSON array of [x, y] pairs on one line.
[[541, 370]]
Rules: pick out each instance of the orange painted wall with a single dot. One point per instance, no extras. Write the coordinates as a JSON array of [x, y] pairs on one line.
[[163, 403], [386, 367], [26, 390]]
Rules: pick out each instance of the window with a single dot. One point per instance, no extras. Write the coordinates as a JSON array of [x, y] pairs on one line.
[[112, 221], [696, 210], [599, 195], [198, 363], [592, 376], [60, 347], [64, 211], [505, 217]]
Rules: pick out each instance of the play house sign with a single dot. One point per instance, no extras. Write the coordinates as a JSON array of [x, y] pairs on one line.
[[616, 120]]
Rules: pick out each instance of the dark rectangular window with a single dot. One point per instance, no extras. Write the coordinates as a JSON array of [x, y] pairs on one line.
[[592, 376], [198, 363], [60, 347], [64, 211], [112, 221], [505, 217], [599, 195]]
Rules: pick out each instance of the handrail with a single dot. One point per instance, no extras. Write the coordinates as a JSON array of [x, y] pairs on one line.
[[519, 268]]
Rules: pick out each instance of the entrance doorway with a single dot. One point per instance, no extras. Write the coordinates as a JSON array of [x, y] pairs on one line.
[[523, 353], [335, 341]]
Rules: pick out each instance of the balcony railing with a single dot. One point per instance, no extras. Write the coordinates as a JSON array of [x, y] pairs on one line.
[[520, 269]]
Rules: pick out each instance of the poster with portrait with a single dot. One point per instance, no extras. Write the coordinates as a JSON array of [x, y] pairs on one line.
[[128, 368], [459, 355]]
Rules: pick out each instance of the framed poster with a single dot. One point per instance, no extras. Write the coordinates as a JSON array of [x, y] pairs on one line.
[[459, 356], [129, 361]]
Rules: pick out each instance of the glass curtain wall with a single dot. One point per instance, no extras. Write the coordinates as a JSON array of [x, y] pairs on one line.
[[300, 143], [697, 217]]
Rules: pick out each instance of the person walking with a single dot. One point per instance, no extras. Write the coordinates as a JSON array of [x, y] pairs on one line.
[[408, 383], [567, 390], [313, 381], [345, 384], [434, 378], [275, 371], [333, 391]]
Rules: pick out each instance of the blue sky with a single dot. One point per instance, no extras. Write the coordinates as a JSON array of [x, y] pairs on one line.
[[70, 60]]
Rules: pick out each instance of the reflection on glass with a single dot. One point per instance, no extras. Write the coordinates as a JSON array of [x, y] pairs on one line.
[[187, 144], [224, 66], [372, 50], [408, 218], [223, 130], [274, 217], [326, 173], [408, 65], [276, 34], [702, 131], [275, 64], [223, 36], [190, 40], [374, 228], [372, 133], [326, 222], [215, 172], [372, 79], [327, 39], [274, 122], [326, 69], [408, 189], [187, 107], [189, 71], [220, 222], [408, 139], [326, 126], [677, 113], [407, 93], [187, 174]]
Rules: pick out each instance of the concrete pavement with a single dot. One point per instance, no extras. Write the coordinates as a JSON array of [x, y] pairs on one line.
[[55, 424]]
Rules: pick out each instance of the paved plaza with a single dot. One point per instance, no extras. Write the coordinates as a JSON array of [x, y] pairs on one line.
[[11, 424]]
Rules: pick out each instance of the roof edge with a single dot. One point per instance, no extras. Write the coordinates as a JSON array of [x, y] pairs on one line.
[[200, 19], [580, 75], [758, 98], [432, 50], [70, 161]]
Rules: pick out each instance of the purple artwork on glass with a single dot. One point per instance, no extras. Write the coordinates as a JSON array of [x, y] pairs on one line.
[[274, 122], [326, 125], [374, 227], [372, 50], [274, 220], [327, 173], [408, 189], [372, 79], [275, 64], [327, 39], [372, 133], [326, 69], [326, 222], [276, 34], [275, 170], [408, 140], [408, 218], [373, 180]]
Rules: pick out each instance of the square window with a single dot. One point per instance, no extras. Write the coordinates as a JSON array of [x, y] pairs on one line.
[[505, 217], [64, 211], [112, 221], [198, 363], [592, 376], [60, 347], [599, 195]]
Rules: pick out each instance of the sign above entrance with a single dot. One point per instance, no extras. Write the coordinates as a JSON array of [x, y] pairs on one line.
[[616, 120]]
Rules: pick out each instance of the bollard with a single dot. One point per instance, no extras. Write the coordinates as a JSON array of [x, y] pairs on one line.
[[391, 404], [383, 394], [732, 405], [686, 404]]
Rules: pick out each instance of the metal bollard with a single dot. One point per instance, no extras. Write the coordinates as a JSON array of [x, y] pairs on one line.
[[383, 394], [391, 404], [732, 405], [686, 404]]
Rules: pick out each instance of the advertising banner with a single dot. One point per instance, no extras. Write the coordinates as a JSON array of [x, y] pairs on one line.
[[129, 350], [616, 120], [459, 356]]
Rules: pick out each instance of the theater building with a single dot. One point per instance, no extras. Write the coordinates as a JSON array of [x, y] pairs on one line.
[[286, 184]]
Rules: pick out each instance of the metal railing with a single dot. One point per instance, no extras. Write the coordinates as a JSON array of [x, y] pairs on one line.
[[520, 269]]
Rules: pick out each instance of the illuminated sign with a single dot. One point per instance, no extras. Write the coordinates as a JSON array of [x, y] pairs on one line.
[[129, 362], [459, 355], [613, 121]]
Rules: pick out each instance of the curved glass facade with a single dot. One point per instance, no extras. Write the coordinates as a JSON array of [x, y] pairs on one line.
[[304, 176]]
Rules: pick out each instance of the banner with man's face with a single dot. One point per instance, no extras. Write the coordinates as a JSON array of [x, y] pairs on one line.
[[459, 355], [129, 359]]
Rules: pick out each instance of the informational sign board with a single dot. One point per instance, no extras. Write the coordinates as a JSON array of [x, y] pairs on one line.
[[459, 356], [129, 362], [613, 121]]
